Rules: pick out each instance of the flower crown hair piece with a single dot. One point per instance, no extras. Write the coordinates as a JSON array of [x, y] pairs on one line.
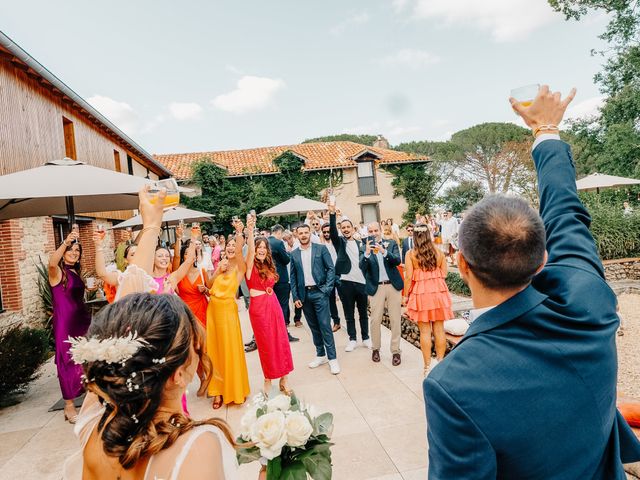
[[421, 229], [110, 350]]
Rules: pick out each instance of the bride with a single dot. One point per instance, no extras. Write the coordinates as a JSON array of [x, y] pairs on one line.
[[138, 357]]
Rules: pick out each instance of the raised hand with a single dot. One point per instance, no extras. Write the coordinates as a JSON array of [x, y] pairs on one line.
[[151, 213], [223, 266], [547, 108], [367, 250], [190, 254], [239, 226], [180, 231], [72, 237], [251, 223], [98, 238]]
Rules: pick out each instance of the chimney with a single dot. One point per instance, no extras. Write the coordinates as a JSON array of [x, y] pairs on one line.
[[381, 142]]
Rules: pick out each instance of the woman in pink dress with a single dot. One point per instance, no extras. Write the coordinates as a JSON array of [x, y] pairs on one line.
[[426, 293], [265, 313]]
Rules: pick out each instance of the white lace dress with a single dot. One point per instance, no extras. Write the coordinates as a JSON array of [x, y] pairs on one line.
[[165, 465]]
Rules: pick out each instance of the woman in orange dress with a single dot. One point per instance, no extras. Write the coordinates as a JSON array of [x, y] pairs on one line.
[[426, 293], [192, 289]]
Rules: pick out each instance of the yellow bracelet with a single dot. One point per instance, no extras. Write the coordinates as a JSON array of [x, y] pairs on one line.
[[145, 229], [549, 127]]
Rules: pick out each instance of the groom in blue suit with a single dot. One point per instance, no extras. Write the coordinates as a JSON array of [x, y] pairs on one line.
[[530, 391]]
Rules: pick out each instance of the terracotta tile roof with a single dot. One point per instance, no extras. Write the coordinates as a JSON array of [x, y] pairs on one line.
[[256, 161]]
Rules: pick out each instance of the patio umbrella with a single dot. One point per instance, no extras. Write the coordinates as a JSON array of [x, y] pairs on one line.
[[172, 216], [596, 181], [294, 206], [67, 187]]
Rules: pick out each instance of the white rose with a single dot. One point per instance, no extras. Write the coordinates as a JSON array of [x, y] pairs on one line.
[[281, 402], [269, 434], [298, 429], [247, 420]]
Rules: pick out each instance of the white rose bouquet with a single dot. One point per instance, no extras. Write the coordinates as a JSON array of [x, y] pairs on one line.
[[288, 436]]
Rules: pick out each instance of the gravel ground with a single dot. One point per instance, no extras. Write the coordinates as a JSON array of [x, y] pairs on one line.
[[629, 346]]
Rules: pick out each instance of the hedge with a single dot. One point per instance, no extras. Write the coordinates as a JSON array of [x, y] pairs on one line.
[[456, 285]]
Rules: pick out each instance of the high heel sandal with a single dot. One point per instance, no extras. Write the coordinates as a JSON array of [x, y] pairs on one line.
[[72, 419], [217, 402], [286, 391]]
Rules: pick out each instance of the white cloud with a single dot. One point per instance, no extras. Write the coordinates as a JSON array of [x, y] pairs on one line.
[[391, 129], [120, 113], [586, 108], [251, 93], [185, 110], [399, 5], [409, 57], [233, 69], [506, 20], [355, 19]]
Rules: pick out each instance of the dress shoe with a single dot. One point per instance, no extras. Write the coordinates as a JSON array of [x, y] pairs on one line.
[[318, 361], [351, 346], [336, 327], [367, 343], [252, 347], [298, 323], [396, 360], [292, 338], [334, 366], [375, 356]]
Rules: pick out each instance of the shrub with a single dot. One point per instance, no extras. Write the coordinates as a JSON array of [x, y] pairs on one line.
[[456, 285], [22, 351], [616, 235]]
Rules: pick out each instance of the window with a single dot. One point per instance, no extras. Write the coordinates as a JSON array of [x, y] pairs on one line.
[[366, 178], [130, 164], [69, 139], [116, 160], [370, 213]]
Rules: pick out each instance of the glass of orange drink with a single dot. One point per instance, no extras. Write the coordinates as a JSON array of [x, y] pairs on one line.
[[525, 95], [171, 186]]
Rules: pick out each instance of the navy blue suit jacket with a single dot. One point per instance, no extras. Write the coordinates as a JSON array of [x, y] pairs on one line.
[[530, 391], [405, 248], [281, 258], [371, 268], [322, 270]]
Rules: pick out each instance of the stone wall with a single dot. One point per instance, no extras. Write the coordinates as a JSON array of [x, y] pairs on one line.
[[622, 269]]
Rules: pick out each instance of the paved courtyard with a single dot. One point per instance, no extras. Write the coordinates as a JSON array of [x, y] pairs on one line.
[[380, 430]]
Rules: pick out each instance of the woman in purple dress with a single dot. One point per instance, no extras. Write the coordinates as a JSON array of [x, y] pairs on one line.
[[70, 316]]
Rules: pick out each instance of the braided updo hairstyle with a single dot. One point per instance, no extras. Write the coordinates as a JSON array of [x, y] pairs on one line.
[[133, 390]]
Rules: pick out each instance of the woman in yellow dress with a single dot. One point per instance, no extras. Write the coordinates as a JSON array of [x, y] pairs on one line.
[[230, 380]]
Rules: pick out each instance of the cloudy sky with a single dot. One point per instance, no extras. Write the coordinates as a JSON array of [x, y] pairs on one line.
[[201, 75]]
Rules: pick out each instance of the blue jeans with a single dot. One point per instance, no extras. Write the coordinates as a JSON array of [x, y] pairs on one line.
[[316, 311]]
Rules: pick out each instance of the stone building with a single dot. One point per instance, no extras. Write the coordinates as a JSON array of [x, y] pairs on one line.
[[42, 119], [365, 193]]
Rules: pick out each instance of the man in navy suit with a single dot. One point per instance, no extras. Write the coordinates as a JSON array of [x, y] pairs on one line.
[[281, 258], [407, 243], [384, 286], [530, 390], [312, 279]]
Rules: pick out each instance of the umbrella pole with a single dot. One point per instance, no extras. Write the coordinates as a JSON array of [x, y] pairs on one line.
[[71, 212]]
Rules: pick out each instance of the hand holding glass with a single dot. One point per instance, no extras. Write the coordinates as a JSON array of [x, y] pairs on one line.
[[171, 186]]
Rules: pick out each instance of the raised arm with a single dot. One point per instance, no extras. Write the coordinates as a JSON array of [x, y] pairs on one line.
[[333, 226], [240, 260], [566, 220], [177, 247], [55, 274], [101, 268], [189, 257], [251, 245]]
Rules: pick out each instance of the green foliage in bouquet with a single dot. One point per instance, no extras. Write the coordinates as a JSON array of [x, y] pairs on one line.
[[311, 454]]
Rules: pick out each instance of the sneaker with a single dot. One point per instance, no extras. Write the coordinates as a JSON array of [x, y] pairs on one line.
[[367, 343], [335, 368], [318, 361], [396, 360], [351, 346]]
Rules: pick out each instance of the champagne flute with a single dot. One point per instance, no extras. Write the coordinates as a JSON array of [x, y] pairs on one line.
[[75, 229]]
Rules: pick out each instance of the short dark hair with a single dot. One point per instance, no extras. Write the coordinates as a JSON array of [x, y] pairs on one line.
[[346, 220], [277, 228], [326, 225], [302, 225], [410, 225], [503, 240]]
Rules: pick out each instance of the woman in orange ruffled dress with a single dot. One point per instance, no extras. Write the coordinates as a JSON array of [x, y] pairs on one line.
[[426, 293], [192, 289]]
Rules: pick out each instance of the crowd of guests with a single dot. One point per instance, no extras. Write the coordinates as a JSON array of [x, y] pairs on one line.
[[538, 361]]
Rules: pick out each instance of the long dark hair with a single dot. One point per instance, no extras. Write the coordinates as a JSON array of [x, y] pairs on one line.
[[424, 251], [132, 391], [76, 267], [266, 268]]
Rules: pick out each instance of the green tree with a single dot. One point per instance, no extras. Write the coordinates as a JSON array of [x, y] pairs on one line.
[[463, 195], [496, 154], [417, 183], [345, 137], [610, 141]]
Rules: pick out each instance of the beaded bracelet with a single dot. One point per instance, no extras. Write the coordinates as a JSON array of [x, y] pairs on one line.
[[549, 127]]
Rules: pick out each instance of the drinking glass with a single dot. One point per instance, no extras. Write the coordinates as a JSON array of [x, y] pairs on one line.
[[195, 230], [171, 186], [525, 95], [101, 230]]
